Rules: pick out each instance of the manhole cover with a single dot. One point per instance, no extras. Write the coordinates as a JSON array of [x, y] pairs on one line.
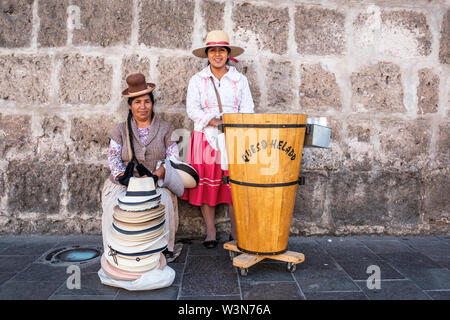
[[73, 255]]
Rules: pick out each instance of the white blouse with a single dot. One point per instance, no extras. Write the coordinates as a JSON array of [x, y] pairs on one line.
[[201, 100]]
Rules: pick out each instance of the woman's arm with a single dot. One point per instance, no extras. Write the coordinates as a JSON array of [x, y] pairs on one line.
[[194, 108], [115, 162]]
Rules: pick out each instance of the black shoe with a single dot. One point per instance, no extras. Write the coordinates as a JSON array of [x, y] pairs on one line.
[[211, 244], [230, 238]]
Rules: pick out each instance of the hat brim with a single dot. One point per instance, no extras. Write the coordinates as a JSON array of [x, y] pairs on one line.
[[235, 51], [150, 88], [188, 174]]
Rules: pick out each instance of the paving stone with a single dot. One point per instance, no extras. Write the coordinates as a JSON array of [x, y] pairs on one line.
[[28, 249], [319, 91], [169, 293], [270, 291], [267, 27], [408, 259], [427, 92], [386, 246], [52, 23], [16, 263], [439, 295], [90, 285], [378, 88], [5, 276], [211, 283], [206, 264], [444, 43], [42, 272], [357, 269], [84, 297], [25, 78], [227, 298], [84, 80], [27, 290], [428, 278], [335, 296], [267, 272], [167, 24], [394, 290], [213, 15], [314, 280], [103, 22], [16, 23], [319, 31]]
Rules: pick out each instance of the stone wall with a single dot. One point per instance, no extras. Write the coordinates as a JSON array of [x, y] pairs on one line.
[[378, 70]]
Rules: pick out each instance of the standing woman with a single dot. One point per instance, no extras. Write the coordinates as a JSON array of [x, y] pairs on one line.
[[152, 142], [203, 107]]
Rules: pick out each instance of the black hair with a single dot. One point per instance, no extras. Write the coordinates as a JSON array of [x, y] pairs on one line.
[[152, 99], [228, 49]]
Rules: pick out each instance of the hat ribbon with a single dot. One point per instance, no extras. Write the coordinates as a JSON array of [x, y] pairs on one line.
[[212, 43], [113, 253]]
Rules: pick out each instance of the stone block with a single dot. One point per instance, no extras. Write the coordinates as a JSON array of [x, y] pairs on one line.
[[166, 24], [174, 75], [51, 145], [16, 141], [34, 186], [357, 198], [404, 145], [85, 184], [404, 33], [398, 33], [251, 71], [266, 27], [310, 198], [16, 23], [90, 138], [279, 78], [443, 145], [319, 31], [103, 22], [331, 158], [427, 92], [213, 12], [318, 90], [436, 207], [378, 88], [25, 78], [135, 64], [359, 149], [53, 23], [444, 44], [84, 80]]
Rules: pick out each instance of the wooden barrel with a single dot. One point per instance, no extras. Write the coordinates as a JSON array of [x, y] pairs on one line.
[[264, 156]]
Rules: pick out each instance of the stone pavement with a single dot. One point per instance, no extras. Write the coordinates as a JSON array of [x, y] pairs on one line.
[[334, 268]]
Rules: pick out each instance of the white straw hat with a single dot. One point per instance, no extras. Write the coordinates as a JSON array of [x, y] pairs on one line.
[[115, 273], [138, 216], [188, 174], [141, 194], [217, 38]]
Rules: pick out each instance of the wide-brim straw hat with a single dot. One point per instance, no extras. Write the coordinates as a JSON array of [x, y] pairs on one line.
[[138, 216], [139, 191], [137, 227], [115, 273], [137, 86], [156, 244], [136, 236], [217, 38], [145, 264], [188, 174]]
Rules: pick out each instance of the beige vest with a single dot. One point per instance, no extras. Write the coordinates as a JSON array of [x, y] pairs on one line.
[[159, 139]]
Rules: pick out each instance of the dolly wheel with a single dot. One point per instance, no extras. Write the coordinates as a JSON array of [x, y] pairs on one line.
[[244, 271], [291, 267]]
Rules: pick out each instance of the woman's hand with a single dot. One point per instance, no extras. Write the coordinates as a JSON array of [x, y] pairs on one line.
[[215, 122], [160, 172]]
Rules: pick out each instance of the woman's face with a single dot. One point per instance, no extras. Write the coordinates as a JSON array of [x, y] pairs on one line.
[[141, 108], [217, 57]]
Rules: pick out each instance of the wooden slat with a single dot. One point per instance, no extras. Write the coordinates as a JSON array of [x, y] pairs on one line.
[[246, 261]]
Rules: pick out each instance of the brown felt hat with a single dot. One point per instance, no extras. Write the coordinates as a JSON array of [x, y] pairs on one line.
[[137, 86]]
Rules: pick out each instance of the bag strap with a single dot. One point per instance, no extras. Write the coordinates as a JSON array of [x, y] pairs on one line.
[[217, 95], [130, 143]]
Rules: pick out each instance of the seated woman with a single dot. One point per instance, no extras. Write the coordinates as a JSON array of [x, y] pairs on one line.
[[152, 142]]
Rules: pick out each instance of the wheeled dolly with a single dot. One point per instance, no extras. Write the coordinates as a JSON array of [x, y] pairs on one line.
[[246, 260]]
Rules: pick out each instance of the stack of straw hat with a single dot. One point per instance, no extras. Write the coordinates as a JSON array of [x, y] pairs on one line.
[[136, 237]]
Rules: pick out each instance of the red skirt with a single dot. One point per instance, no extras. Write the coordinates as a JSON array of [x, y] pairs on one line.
[[206, 161]]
